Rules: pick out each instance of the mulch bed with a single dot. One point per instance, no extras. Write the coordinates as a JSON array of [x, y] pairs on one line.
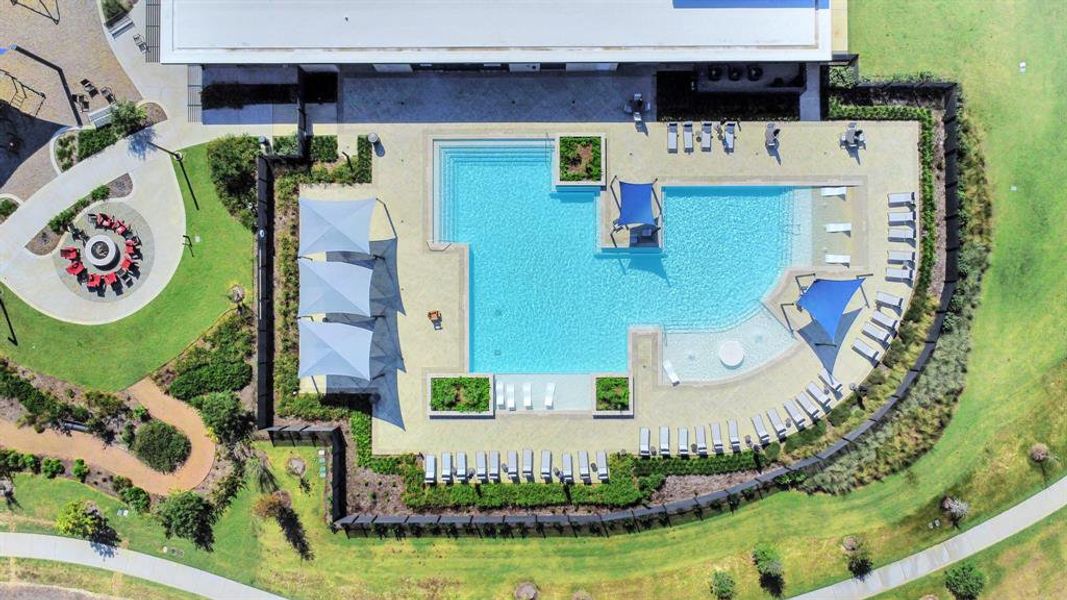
[[121, 186], [680, 487], [154, 113], [44, 242]]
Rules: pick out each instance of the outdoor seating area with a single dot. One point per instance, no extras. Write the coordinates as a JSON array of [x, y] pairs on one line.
[[488, 468], [107, 260]]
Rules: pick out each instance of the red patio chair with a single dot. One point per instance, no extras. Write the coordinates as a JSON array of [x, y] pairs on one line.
[[110, 279], [70, 253], [94, 281], [120, 228], [75, 268], [126, 263]]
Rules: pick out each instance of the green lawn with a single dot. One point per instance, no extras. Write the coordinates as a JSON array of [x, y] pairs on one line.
[[138, 344], [1030, 564], [1017, 380]]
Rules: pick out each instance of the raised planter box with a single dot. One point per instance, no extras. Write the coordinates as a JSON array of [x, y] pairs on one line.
[[613, 384], [580, 160], [445, 384]]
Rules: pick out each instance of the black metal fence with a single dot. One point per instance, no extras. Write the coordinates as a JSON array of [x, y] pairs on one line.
[[327, 437], [644, 517]]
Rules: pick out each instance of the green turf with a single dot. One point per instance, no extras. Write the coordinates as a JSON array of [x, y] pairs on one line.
[[1030, 564], [113, 356]]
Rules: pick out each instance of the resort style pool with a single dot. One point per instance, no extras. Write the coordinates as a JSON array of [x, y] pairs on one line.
[[544, 298]]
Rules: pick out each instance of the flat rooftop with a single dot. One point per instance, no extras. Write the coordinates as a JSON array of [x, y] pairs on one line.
[[493, 31]]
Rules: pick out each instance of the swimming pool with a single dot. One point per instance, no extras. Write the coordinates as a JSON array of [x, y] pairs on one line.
[[544, 298]]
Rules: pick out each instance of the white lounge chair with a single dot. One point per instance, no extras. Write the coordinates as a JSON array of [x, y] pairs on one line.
[[479, 467], [761, 431], [672, 137], [683, 441], [527, 395], [866, 351], [583, 466], [833, 191], [431, 469], [777, 422], [901, 218], [665, 441], [550, 394], [513, 465], [461, 467], [807, 406], [446, 467], [716, 438], [567, 473], [527, 464], [887, 299], [729, 132], [499, 394], [900, 274], [901, 256], [885, 321], [902, 234], [838, 259], [494, 466], [510, 395], [645, 447], [602, 465], [795, 415], [877, 333], [702, 441], [687, 136], [902, 199], [830, 381], [735, 438], [705, 137], [546, 466], [668, 368], [838, 227], [819, 394]]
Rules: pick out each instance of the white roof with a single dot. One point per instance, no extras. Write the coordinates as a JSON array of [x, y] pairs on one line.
[[334, 349], [493, 31], [335, 226], [334, 287]]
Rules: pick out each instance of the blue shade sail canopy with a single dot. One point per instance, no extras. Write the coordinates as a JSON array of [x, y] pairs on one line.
[[335, 349], [635, 207], [334, 287], [826, 300], [335, 225]]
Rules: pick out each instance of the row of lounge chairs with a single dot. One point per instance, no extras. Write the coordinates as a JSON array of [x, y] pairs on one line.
[[728, 130], [882, 326], [488, 468], [505, 395]]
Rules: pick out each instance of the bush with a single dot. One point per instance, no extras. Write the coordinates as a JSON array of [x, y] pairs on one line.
[[80, 470], [161, 446], [723, 586], [95, 140], [219, 365], [7, 208], [859, 557], [769, 565], [460, 394], [129, 434], [612, 393], [324, 148], [120, 483], [81, 518], [187, 515], [964, 580], [223, 414], [31, 463], [137, 499], [52, 467], [572, 165], [805, 436], [127, 117], [285, 145], [59, 223], [233, 171]]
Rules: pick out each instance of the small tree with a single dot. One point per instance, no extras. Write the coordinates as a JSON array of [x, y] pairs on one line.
[[51, 467], [80, 518], [957, 509], [964, 580], [137, 499], [723, 586], [187, 515], [769, 564], [127, 117], [31, 463], [161, 446], [859, 557], [223, 414], [80, 470]]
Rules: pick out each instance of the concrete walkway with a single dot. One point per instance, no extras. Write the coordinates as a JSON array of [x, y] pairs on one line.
[[978, 538], [127, 562]]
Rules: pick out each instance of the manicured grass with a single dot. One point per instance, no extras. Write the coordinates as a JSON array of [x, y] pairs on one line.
[[140, 343], [1030, 564]]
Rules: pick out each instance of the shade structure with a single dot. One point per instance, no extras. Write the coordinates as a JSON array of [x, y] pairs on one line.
[[335, 349], [826, 300], [334, 287], [635, 205], [335, 225]]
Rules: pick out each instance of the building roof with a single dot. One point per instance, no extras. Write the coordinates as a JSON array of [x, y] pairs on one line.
[[493, 31]]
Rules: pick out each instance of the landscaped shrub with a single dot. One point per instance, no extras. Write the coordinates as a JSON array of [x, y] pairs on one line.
[[233, 171], [805, 436], [66, 146], [612, 393], [769, 565], [114, 9], [120, 483], [187, 515], [81, 518], [285, 145], [460, 394], [711, 465], [964, 580], [224, 416], [80, 470], [324, 148], [161, 446], [220, 363], [31, 463], [94, 140], [59, 223], [859, 556], [42, 408], [127, 117], [7, 208], [580, 158], [137, 499], [723, 586], [52, 468]]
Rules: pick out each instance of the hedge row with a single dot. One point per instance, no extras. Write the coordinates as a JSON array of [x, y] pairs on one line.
[[60, 222], [220, 364], [711, 465], [95, 140], [42, 408]]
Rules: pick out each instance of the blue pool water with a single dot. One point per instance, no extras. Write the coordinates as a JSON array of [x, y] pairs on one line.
[[545, 299]]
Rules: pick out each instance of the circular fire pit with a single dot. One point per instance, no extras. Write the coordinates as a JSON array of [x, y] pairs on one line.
[[101, 251]]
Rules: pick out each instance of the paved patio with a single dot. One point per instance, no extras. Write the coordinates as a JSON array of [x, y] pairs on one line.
[[436, 280]]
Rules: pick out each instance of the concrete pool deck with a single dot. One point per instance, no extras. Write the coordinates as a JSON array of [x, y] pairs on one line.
[[435, 279]]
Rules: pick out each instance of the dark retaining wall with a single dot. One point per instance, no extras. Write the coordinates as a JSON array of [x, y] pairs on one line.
[[645, 517]]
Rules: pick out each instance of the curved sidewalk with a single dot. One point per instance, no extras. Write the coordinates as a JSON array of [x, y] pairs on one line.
[[127, 562], [974, 540]]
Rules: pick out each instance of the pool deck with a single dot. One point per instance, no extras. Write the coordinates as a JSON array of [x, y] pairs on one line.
[[434, 278]]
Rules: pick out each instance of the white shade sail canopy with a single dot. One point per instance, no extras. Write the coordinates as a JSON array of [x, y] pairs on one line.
[[335, 349], [334, 287], [335, 225]]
